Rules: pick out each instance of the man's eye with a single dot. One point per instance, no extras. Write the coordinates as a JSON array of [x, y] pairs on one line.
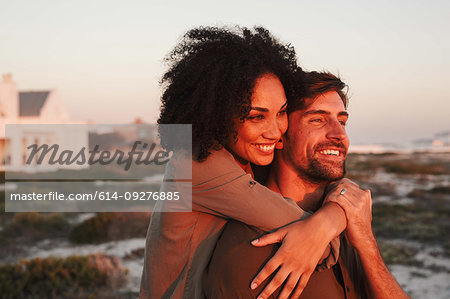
[[316, 120], [343, 123]]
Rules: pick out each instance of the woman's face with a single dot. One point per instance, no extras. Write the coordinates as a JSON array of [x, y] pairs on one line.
[[263, 127]]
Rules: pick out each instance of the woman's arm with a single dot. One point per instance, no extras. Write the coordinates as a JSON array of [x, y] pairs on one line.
[[220, 187], [227, 191], [299, 240]]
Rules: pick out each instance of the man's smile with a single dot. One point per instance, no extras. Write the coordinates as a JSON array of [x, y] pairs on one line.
[[330, 152], [333, 153]]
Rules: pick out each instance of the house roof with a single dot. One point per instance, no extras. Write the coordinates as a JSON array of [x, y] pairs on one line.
[[31, 102]]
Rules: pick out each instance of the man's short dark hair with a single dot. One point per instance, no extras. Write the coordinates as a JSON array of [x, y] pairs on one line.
[[318, 83]]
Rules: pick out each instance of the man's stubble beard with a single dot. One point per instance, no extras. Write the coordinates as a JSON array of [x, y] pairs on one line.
[[317, 172]]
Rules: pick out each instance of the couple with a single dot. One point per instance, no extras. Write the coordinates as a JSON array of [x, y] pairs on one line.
[[236, 88]]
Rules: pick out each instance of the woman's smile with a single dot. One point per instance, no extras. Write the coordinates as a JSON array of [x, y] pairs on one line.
[[265, 148]]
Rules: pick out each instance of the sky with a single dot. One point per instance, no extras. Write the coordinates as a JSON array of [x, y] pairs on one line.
[[105, 58]]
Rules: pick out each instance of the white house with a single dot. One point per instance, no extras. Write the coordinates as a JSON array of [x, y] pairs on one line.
[[33, 110]]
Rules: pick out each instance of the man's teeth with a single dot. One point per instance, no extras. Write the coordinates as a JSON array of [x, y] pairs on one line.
[[265, 148], [330, 152]]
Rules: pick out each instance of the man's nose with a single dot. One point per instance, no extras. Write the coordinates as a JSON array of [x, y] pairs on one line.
[[336, 131]]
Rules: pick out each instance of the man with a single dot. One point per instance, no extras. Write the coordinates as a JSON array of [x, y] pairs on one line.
[[314, 153]]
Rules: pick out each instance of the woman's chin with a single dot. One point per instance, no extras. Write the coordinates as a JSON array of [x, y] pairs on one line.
[[262, 161]]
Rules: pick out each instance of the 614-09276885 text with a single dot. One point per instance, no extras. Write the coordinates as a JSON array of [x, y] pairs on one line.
[[102, 195]]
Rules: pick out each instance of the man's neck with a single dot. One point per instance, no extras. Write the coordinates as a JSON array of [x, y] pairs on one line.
[[286, 181]]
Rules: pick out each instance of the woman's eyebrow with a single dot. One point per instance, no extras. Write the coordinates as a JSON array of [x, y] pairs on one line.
[[265, 109], [260, 109]]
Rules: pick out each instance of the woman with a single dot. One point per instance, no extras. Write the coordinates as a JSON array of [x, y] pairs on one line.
[[232, 86]]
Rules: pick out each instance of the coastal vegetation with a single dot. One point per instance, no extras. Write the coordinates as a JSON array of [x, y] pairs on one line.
[[411, 220]]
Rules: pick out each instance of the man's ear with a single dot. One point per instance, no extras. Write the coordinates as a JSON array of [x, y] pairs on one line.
[[280, 143]]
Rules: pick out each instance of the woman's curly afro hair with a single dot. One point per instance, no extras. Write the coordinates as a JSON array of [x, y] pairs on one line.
[[211, 75]]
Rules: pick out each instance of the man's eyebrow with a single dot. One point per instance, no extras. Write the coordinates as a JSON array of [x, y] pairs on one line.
[[342, 113], [284, 105], [316, 112]]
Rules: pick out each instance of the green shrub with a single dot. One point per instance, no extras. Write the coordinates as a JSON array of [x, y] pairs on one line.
[[399, 164], [34, 226], [104, 227], [409, 222], [446, 247], [2, 192], [92, 230], [440, 190], [410, 167], [397, 254], [71, 277]]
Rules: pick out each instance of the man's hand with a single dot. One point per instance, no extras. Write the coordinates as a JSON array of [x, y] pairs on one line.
[[357, 204], [303, 245]]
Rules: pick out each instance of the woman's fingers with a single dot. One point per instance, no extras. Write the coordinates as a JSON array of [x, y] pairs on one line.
[[270, 267], [301, 285], [341, 184], [290, 285], [291, 259], [274, 283], [271, 238]]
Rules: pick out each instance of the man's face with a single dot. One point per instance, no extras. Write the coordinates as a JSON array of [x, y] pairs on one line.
[[316, 142]]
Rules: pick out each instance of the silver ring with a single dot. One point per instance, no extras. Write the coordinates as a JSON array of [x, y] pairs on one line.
[[342, 191]]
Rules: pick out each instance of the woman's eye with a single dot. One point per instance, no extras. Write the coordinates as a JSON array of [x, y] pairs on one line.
[[256, 117]]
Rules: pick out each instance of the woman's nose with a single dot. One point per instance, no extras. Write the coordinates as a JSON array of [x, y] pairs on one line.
[[275, 129]]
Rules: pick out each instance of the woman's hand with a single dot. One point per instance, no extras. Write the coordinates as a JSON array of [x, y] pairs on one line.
[[303, 244]]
